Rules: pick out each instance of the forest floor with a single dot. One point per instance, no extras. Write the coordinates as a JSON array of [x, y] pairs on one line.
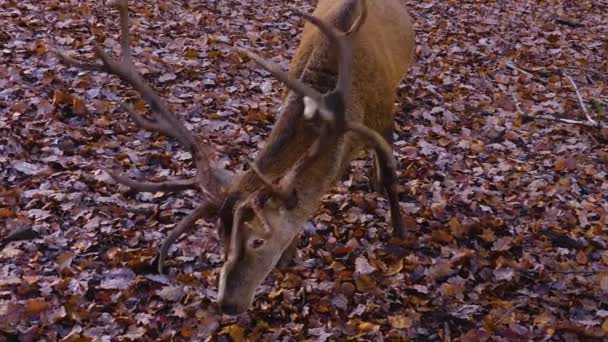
[[508, 211]]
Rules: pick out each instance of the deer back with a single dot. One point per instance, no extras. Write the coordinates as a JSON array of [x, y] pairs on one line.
[[383, 50]]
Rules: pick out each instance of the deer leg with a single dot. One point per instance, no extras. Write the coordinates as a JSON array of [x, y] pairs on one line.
[[386, 179], [289, 253], [376, 177]]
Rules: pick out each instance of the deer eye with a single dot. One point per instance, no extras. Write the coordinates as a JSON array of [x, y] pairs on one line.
[[257, 243]]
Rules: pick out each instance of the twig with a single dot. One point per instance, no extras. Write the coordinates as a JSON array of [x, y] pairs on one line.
[[515, 68], [545, 117], [447, 335], [585, 272], [508, 313], [568, 22], [568, 121], [577, 271], [580, 100], [517, 104], [589, 70]]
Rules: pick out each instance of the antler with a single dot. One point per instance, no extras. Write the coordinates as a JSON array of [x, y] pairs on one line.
[[331, 108], [208, 179]]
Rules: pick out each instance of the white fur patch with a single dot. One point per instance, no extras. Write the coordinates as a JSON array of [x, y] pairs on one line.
[[310, 107]]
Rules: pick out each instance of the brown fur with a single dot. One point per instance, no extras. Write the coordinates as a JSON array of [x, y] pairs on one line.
[[382, 52]]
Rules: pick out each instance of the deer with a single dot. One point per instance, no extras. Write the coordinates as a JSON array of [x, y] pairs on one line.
[[340, 99]]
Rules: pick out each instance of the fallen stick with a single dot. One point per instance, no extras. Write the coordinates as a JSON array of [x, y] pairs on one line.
[[568, 22], [594, 124], [580, 99]]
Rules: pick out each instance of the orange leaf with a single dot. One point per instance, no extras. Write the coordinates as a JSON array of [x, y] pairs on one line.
[[235, 331], [36, 306], [191, 54], [65, 260], [456, 227], [186, 332], [140, 105], [6, 212], [394, 268], [60, 98], [400, 321], [604, 282], [78, 106], [442, 236], [366, 326], [560, 164]]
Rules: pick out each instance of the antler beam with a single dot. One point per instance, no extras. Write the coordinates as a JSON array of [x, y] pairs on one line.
[[208, 179]]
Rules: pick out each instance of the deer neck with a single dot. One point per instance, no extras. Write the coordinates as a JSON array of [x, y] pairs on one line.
[[290, 139]]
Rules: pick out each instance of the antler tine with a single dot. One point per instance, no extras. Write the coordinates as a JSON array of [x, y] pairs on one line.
[[275, 70], [331, 105], [267, 181], [177, 185], [343, 42], [159, 125], [286, 183], [126, 72], [209, 179], [187, 223], [360, 20], [237, 219], [257, 210], [165, 121]]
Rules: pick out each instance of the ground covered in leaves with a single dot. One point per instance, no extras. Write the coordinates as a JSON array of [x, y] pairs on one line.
[[509, 212]]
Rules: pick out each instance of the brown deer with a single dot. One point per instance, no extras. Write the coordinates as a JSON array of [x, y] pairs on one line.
[[342, 89]]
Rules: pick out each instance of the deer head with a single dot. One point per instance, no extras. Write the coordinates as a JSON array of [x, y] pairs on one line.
[[259, 214]]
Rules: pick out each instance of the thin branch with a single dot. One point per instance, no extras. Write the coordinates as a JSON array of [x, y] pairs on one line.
[[567, 121], [515, 68], [299, 87], [508, 313], [77, 63], [125, 37], [569, 22], [578, 271], [590, 70], [580, 99], [447, 335], [555, 119]]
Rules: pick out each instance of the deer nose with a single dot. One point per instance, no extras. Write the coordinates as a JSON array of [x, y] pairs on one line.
[[230, 309]]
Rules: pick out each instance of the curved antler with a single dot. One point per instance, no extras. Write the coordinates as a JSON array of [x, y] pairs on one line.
[[209, 178]]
